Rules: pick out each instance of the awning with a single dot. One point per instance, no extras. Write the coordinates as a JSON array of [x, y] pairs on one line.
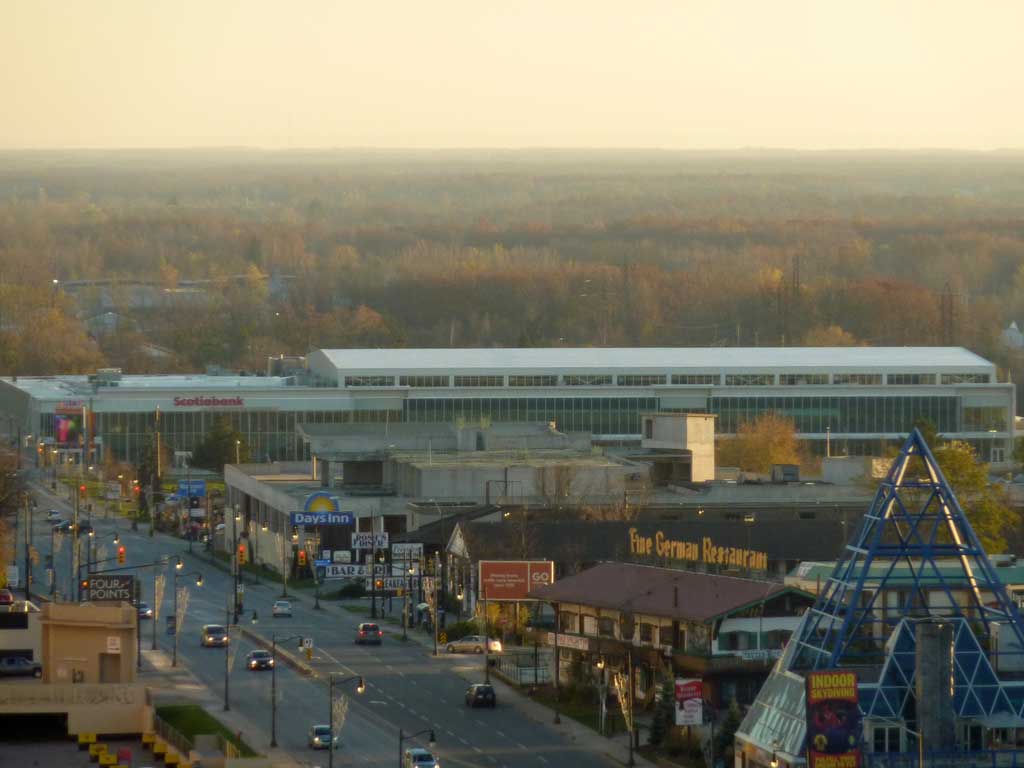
[[1002, 720]]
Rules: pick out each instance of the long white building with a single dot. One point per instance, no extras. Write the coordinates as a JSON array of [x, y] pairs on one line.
[[854, 399]]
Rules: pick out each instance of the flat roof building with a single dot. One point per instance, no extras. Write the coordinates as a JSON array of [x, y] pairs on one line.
[[851, 400]]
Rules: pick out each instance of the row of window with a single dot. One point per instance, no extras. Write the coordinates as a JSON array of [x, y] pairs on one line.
[[677, 379]]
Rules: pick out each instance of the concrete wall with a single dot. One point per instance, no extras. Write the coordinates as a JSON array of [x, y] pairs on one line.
[[20, 640], [80, 639], [100, 709], [693, 432], [546, 482]]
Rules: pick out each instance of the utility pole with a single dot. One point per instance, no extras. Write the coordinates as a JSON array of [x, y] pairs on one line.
[[437, 607], [373, 565], [28, 544], [75, 587]]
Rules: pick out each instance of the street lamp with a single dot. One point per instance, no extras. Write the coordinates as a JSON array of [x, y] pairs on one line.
[[333, 680], [238, 449], [402, 737], [177, 625], [273, 681]]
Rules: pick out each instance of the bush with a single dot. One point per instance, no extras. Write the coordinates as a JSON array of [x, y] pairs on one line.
[[460, 629], [352, 589]]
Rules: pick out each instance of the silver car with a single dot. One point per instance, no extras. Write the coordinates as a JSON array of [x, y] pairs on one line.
[[473, 644], [320, 737]]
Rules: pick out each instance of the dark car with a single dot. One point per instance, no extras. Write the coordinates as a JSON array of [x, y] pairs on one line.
[[214, 635], [259, 660], [481, 695], [145, 612], [369, 633], [16, 666], [6, 597]]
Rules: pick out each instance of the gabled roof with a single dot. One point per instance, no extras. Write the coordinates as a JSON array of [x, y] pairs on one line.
[[664, 592]]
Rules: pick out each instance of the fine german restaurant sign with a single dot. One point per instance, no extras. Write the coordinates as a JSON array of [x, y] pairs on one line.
[[704, 550]]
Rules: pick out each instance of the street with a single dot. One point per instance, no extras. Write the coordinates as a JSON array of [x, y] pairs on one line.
[[406, 687]]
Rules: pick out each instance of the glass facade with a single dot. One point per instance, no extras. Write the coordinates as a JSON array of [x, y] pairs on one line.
[[369, 381], [600, 415], [701, 379], [479, 381], [533, 381], [965, 378], [801, 379], [863, 379], [749, 379], [640, 380], [984, 419], [842, 415], [588, 380], [910, 379], [424, 381]]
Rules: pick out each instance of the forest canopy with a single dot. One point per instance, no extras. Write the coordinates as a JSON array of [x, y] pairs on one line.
[[179, 260]]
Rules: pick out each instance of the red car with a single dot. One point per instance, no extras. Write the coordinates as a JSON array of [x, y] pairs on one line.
[[6, 597], [369, 633]]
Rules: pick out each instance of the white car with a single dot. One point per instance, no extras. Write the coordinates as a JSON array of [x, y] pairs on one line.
[[473, 644], [53, 516], [420, 758], [320, 736], [281, 608]]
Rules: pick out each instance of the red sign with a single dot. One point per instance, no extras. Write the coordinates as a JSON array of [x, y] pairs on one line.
[[833, 720], [203, 401], [689, 701], [513, 579]]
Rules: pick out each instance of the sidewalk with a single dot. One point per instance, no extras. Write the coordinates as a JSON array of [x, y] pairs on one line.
[[176, 685]]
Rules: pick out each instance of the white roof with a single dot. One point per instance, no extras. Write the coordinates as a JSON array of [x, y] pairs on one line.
[[659, 359], [77, 387]]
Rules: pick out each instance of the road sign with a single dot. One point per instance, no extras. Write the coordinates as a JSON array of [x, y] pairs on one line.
[[442, 638], [321, 563], [188, 488], [307, 642], [367, 540], [406, 550]]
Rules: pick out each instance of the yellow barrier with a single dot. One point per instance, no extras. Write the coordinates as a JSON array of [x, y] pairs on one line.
[[95, 750], [85, 739], [147, 739], [108, 759], [172, 758], [159, 747]]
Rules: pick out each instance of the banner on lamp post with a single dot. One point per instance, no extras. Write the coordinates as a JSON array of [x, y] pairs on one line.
[[689, 701]]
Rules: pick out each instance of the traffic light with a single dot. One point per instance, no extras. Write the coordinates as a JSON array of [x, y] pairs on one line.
[[81, 491], [193, 502], [122, 555], [302, 558], [241, 554], [379, 583], [83, 586]]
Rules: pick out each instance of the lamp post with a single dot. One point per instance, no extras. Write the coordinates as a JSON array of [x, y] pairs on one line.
[[234, 557], [403, 737], [558, 717], [437, 606], [333, 680], [273, 683], [177, 626], [238, 451]]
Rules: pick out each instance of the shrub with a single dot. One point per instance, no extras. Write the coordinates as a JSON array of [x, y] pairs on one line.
[[352, 589], [460, 629]]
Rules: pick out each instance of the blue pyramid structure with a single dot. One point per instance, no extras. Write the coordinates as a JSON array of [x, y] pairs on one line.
[[914, 556]]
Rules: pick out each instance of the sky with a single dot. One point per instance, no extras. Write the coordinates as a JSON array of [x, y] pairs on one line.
[[682, 74]]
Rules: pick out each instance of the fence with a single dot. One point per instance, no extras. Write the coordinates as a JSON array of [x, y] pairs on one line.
[[993, 758], [521, 669], [171, 735]]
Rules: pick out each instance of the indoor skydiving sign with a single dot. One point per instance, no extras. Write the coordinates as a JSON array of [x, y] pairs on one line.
[[833, 720]]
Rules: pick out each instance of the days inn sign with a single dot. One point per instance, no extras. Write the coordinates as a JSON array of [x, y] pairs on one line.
[[705, 550]]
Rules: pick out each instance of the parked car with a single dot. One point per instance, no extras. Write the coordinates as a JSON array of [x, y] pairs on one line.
[[53, 516], [214, 635], [281, 608], [259, 660], [481, 695], [473, 644], [420, 758], [320, 737], [369, 633], [16, 666], [145, 611], [6, 597]]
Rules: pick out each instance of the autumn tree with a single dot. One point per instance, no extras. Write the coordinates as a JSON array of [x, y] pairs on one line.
[[829, 336], [766, 440], [223, 444]]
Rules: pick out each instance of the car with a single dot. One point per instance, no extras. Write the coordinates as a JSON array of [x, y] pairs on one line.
[[16, 666], [6, 597], [320, 737], [481, 695], [369, 633], [145, 612], [473, 644], [418, 757], [259, 660], [62, 526], [84, 529], [53, 515], [281, 608], [214, 635]]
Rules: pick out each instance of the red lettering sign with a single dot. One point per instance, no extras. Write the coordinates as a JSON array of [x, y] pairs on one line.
[[208, 401]]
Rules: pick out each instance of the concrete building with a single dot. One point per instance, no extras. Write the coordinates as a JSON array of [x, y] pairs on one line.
[[855, 401]]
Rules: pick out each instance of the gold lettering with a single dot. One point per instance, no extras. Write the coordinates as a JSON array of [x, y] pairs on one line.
[[659, 544]]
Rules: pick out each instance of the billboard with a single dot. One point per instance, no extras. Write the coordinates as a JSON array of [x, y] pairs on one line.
[[513, 579], [367, 540], [406, 551], [351, 571], [67, 428], [689, 701], [115, 587], [833, 720], [188, 488]]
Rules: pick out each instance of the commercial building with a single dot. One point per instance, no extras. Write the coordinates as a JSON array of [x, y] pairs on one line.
[[913, 653], [854, 401]]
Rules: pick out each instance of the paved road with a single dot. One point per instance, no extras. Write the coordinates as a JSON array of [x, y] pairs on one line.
[[407, 688]]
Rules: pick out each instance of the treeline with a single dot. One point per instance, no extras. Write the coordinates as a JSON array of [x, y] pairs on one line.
[[295, 250]]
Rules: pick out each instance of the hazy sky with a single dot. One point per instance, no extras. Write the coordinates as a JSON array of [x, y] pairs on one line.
[[446, 73]]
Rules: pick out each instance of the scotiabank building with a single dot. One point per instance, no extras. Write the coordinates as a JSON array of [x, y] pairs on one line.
[[854, 401]]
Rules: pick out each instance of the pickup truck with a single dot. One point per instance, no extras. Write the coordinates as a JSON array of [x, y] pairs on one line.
[[15, 666]]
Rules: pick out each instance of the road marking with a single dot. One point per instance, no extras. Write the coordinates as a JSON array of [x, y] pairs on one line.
[[477, 749], [541, 758], [482, 723], [384, 703], [521, 746], [491, 759], [500, 734], [463, 740], [450, 733]]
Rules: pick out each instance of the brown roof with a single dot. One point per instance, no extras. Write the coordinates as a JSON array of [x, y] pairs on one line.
[[650, 590]]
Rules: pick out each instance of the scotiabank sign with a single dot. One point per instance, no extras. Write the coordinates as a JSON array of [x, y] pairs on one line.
[[513, 579], [202, 401]]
